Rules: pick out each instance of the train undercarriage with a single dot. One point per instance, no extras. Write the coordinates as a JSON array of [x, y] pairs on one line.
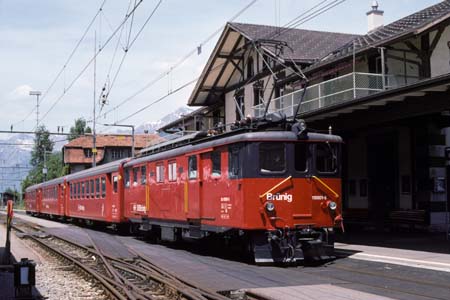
[[281, 246]]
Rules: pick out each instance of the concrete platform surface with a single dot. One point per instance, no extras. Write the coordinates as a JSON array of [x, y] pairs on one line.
[[316, 291]]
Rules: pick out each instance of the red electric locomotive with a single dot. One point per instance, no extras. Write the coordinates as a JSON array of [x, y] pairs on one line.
[[278, 189]]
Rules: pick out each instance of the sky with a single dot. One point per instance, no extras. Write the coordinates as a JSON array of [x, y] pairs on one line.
[[38, 37]]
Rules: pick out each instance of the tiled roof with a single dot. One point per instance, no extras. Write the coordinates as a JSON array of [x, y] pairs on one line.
[[140, 141], [306, 45], [407, 25]]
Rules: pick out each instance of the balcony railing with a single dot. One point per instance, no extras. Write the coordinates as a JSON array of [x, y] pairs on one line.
[[335, 91]]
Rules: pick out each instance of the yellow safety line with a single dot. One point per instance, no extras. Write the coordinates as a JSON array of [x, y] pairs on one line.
[[336, 195], [275, 187]]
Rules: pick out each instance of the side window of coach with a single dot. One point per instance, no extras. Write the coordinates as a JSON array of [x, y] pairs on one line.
[[143, 175], [192, 164], [114, 184], [127, 178], [103, 187], [92, 188], [97, 187]]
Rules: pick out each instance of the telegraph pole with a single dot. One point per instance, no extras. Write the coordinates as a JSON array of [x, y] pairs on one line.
[[94, 148]]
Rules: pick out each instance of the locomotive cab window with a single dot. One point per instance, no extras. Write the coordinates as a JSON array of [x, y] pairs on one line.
[[192, 167], [234, 163], [301, 157], [216, 163], [272, 158], [326, 158]]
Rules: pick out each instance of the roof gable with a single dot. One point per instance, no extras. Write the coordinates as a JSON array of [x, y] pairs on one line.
[[307, 46], [413, 24]]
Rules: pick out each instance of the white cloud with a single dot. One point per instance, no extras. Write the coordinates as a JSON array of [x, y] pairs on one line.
[[20, 92]]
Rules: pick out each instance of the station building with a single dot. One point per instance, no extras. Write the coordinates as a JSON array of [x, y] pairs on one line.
[[386, 93]]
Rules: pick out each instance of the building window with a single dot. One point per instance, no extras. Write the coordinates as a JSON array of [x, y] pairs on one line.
[[240, 105], [192, 163], [172, 170], [143, 175], [118, 153], [160, 173], [351, 187], [78, 190], [87, 152], [258, 95], [272, 157], [216, 163], [250, 72]]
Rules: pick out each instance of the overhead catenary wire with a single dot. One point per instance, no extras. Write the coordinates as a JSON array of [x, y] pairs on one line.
[[72, 53], [130, 44], [178, 63], [298, 21], [91, 60]]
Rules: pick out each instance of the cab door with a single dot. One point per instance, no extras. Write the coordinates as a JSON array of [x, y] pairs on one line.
[[194, 183]]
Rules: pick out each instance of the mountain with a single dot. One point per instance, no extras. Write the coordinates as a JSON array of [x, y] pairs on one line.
[[15, 154], [153, 126]]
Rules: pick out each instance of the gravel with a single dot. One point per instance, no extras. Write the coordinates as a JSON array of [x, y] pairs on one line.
[[56, 281]]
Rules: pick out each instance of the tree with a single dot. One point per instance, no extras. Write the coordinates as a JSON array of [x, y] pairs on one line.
[[80, 128], [42, 155], [42, 146]]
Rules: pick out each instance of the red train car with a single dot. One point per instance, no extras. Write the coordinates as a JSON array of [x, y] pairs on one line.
[[278, 190]]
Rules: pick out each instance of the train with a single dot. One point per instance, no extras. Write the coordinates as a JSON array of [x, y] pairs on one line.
[[274, 186]]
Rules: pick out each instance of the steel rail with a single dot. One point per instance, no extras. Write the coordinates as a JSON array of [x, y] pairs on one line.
[[187, 290]]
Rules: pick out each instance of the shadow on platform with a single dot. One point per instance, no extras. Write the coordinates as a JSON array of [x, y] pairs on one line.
[[417, 241]]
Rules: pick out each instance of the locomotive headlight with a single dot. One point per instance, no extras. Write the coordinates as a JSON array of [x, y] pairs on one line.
[[270, 207], [332, 205]]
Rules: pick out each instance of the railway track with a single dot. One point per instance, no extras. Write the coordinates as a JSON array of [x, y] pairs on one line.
[[136, 278]]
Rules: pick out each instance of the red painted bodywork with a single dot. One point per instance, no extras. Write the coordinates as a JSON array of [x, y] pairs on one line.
[[208, 199]]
